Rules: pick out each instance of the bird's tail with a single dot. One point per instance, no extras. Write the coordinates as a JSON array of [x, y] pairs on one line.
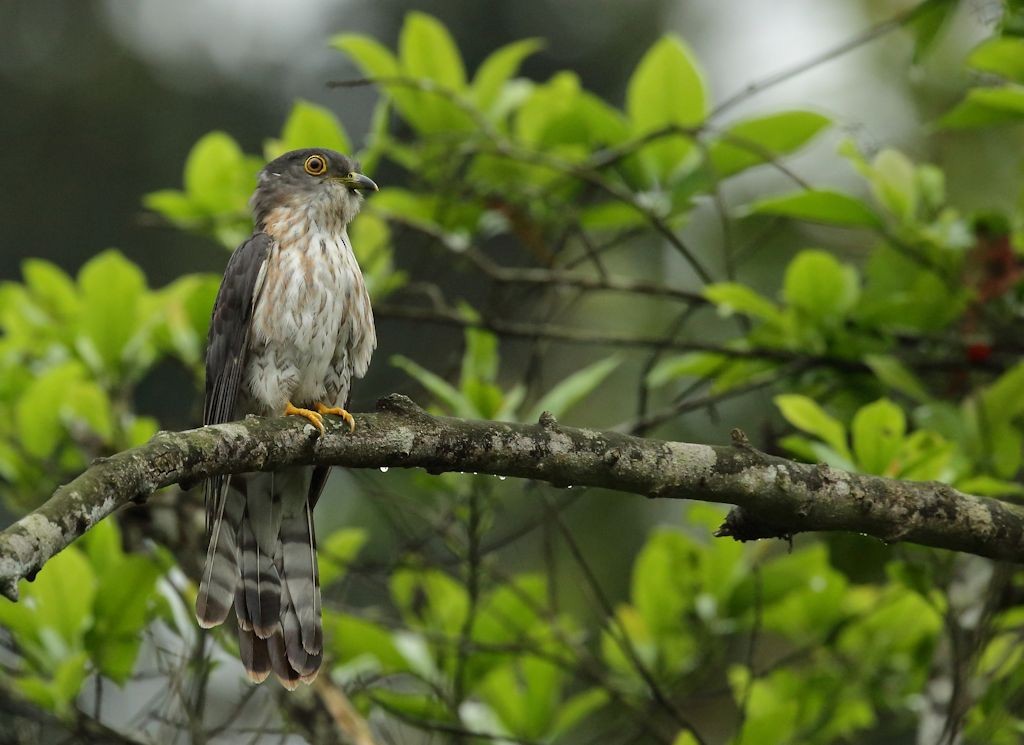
[[262, 557]]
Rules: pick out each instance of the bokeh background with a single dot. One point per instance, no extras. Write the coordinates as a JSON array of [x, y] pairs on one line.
[[102, 101]]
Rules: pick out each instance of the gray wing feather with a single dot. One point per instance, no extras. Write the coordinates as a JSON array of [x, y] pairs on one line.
[[228, 343], [225, 365]]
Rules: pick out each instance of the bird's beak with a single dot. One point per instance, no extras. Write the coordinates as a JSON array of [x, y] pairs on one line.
[[359, 181]]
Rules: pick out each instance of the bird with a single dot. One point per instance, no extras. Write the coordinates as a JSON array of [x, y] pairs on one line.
[[291, 327]]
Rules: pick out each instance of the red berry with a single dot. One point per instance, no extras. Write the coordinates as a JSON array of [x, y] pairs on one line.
[[979, 352]]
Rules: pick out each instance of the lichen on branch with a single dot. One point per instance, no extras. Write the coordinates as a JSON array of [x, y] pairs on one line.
[[774, 497]]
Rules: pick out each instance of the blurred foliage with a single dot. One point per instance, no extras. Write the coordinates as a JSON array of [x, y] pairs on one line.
[[898, 364], [87, 614]]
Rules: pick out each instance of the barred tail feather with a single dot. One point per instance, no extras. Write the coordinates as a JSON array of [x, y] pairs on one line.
[[300, 579], [255, 655], [221, 572], [305, 664], [260, 583], [288, 676], [262, 560], [302, 575]]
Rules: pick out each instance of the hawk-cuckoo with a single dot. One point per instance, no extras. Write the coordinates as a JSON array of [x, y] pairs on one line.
[[291, 327]]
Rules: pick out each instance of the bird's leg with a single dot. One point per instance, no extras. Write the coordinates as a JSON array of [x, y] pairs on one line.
[[338, 411], [313, 417]]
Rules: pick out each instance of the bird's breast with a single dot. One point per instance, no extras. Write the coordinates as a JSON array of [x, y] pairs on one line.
[[303, 321], [306, 291]]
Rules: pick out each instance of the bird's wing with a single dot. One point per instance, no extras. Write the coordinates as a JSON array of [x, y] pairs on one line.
[[225, 366], [228, 344]]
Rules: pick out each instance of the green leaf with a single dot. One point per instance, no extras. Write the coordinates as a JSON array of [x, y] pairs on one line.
[[509, 612], [639, 636], [894, 183], [666, 89], [175, 205], [732, 297], [309, 125], [38, 412], [756, 141], [111, 288], [573, 389], [738, 372], [429, 598], [511, 400], [407, 206], [185, 310], [19, 620], [685, 737], [441, 389], [350, 638], [68, 679], [877, 430], [57, 692], [371, 241], [801, 594], [927, 456], [611, 216], [1002, 55], [52, 287], [102, 545], [804, 414], [988, 486], [1004, 398], [540, 119], [86, 404], [1005, 443], [415, 707], [822, 453], [498, 68], [480, 358], [577, 708], [338, 551], [523, 693], [894, 374], [427, 50], [373, 58], [141, 430], [820, 205], [508, 616], [772, 711], [664, 585], [124, 596], [821, 287], [218, 176], [485, 398], [928, 24], [985, 107], [62, 596], [689, 365]]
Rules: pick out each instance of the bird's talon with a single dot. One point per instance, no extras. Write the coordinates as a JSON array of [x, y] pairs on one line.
[[312, 417], [338, 411]]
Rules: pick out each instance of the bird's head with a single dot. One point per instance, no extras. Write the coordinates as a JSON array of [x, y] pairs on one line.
[[322, 184]]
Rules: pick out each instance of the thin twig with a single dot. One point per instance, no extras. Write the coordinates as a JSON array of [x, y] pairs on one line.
[[868, 35], [622, 637]]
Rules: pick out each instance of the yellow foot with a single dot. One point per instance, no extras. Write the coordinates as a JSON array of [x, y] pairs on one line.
[[313, 417], [338, 411]]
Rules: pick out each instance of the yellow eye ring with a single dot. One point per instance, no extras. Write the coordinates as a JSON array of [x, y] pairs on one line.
[[315, 165]]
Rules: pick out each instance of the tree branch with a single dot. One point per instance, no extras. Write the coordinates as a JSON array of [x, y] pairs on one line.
[[775, 497]]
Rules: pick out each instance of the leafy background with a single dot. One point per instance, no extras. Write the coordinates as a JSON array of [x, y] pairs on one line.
[[577, 216]]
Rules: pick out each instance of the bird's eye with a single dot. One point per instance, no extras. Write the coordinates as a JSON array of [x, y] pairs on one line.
[[315, 165]]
